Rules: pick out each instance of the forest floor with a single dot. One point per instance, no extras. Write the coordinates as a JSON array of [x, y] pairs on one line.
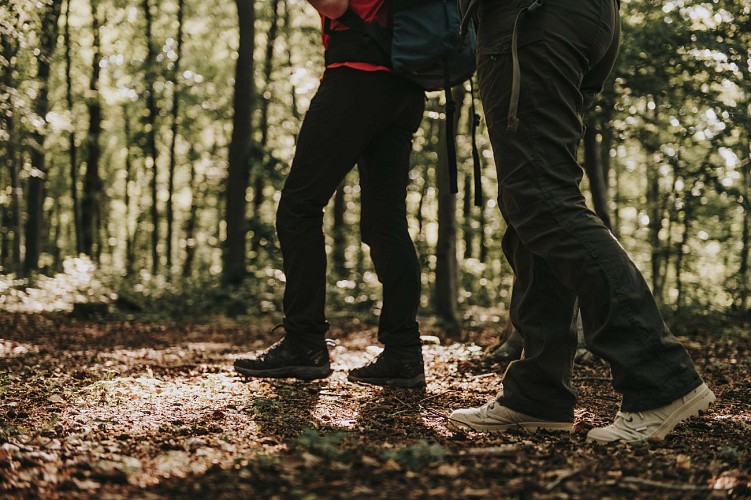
[[118, 408]]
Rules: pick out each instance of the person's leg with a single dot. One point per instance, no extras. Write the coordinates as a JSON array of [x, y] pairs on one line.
[[344, 116], [539, 192], [543, 312], [384, 176], [341, 121]]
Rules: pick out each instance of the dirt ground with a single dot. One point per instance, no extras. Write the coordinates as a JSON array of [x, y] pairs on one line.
[[117, 409]]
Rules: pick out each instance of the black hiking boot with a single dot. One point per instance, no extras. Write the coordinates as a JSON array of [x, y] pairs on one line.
[[287, 358], [392, 370]]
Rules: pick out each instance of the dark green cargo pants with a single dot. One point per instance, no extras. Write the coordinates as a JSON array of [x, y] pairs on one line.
[[559, 249]]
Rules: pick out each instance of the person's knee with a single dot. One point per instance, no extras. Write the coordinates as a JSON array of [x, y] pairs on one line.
[[383, 235], [293, 215]]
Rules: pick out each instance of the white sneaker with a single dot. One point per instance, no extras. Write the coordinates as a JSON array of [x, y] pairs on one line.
[[494, 417], [657, 423]]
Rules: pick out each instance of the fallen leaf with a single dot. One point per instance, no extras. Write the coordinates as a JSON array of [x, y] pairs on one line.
[[86, 484], [683, 461], [449, 470]]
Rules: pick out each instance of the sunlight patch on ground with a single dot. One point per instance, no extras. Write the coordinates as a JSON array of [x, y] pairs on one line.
[[204, 415], [10, 349]]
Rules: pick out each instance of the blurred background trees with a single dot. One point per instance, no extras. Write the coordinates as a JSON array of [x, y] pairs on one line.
[[154, 138]]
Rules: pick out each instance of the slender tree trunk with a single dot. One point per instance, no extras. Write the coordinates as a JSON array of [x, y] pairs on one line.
[[598, 187], [192, 222], [743, 270], [421, 243], [446, 294], [9, 46], [13, 215], [129, 235], [605, 145], [679, 253], [672, 216], [259, 181], [72, 149], [268, 67], [655, 224], [35, 196], [150, 151], [92, 184], [54, 243], [467, 229], [339, 252], [176, 87], [616, 219], [484, 250], [288, 36], [16, 202], [239, 150]]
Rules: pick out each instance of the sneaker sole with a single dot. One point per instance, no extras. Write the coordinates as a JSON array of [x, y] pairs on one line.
[[697, 404], [404, 383], [693, 407], [301, 372], [530, 427]]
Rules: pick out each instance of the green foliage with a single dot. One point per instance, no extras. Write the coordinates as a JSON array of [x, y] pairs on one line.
[[330, 446], [418, 455]]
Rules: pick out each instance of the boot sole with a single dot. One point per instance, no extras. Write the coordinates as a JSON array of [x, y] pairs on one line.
[[404, 383], [300, 372], [531, 427], [693, 407]]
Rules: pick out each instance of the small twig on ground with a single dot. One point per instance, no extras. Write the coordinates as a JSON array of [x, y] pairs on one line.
[[333, 394], [431, 397], [483, 375], [429, 410], [667, 486], [496, 451], [565, 477]]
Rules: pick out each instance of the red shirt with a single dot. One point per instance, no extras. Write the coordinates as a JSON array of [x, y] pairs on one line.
[[372, 11]]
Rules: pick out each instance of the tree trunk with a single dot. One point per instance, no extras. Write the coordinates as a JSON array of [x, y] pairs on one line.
[[72, 150], [339, 252], [616, 219], [13, 215], [239, 149], [92, 184], [16, 202], [268, 67], [129, 236], [192, 222], [679, 253], [287, 34], [743, 271], [467, 229], [483, 236], [446, 294], [595, 169], [150, 151], [175, 123], [35, 196], [426, 180], [655, 224]]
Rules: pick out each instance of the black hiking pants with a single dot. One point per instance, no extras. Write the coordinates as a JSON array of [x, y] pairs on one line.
[[366, 118], [559, 249]]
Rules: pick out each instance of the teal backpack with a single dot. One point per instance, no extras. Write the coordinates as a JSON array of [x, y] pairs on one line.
[[423, 45]]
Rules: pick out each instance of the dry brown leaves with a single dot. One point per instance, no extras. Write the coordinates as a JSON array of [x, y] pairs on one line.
[[153, 410]]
